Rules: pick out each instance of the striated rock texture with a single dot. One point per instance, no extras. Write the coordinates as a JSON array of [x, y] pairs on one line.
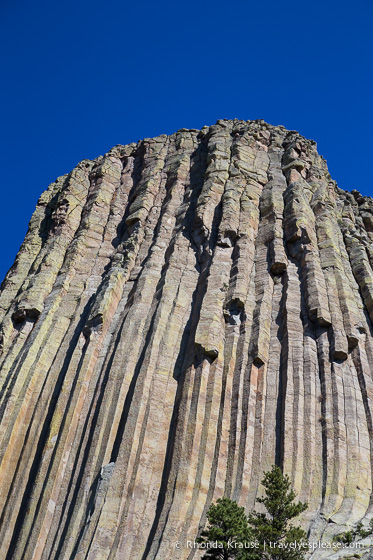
[[183, 313]]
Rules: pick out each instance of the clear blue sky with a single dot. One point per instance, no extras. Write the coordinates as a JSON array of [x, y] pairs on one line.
[[80, 76]]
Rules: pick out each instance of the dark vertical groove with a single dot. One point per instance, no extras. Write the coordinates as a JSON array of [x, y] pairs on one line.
[[96, 411], [186, 352], [279, 428], [325, 463], [45, 431], [280, 412]]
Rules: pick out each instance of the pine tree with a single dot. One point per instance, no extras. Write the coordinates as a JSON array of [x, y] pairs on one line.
[[260, 536], [228, 527], [278, 538]]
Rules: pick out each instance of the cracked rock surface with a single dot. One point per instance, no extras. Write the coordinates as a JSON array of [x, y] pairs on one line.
[[183, 313]]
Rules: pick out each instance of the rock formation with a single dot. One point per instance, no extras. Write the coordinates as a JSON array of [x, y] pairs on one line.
[[183, 313]]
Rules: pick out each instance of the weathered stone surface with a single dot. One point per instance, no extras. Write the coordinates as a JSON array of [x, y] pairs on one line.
[[183, 313]]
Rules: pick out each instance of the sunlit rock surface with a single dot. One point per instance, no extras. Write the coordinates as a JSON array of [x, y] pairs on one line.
[[183, 313]]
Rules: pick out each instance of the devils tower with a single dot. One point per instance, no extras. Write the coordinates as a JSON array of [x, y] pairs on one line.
[[183, 313]]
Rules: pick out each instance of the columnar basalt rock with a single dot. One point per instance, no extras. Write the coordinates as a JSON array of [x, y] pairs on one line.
[[183, 313]]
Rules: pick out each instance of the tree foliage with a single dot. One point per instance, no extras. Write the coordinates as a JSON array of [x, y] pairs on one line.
[[278, 538], [260, 536], [227, 526], [358, 533]]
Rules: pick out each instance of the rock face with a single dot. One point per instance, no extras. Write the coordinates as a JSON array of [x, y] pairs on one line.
[[183, 313]]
